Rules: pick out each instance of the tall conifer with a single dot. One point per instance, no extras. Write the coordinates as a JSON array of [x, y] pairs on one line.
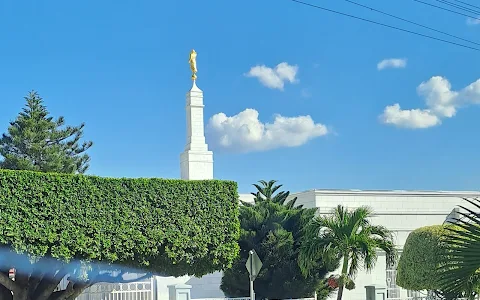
[[37, 142]]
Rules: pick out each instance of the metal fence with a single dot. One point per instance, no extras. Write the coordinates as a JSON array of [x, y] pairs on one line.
[[142, 290], [245, 298], [422, 298]]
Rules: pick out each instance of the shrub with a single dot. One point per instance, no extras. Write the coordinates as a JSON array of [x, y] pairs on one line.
[[419, 262], [172, 227]]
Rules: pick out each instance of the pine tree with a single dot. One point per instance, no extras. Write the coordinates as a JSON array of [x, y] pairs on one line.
[[37, 142]]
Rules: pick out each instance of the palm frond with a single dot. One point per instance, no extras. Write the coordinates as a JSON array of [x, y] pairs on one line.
[[259, 192], [358, 219], [354, 263], [475, 202], [291, 204], [349, 234], [265, 183], [365, 248], [311, 250], [274, 188], [460, 261]]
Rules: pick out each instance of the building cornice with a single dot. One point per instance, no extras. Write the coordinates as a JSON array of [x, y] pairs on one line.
[[393, 212], [465, 194]]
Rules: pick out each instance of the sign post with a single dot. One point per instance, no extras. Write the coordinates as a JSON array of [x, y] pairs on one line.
[[254, 264]]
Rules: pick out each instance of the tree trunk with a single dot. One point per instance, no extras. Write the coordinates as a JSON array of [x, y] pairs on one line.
[[343, 276], [340, 292], [5, 294], [21, 295]]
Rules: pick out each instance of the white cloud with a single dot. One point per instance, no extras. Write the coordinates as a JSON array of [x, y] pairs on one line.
[[441, 102], [439, 96], [392, 63], [473, 21], [244, 132], [274, 78], [409, 118]]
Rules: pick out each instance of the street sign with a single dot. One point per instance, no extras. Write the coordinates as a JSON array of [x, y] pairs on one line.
[[11, 274], [254, 264]]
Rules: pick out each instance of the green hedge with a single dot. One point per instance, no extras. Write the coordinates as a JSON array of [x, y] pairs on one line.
[[419, 261], [165, 226]]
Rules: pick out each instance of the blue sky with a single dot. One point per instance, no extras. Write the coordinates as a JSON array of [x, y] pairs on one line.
[[121, 67]]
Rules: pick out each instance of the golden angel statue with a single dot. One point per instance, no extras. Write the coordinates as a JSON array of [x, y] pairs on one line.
[[193, 64]]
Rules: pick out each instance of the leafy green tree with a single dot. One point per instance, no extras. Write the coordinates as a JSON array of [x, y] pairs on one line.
[[89, 230], [418, 266], [273, 228], [459, 270], [37, 142], [347, 238]]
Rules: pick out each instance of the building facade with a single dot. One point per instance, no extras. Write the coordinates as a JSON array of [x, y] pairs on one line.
[[399, 211]]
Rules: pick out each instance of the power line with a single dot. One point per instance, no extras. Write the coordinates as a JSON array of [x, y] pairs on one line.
[[446, 9], [458, 6], [384, 25], [411, 22], [467, 4]]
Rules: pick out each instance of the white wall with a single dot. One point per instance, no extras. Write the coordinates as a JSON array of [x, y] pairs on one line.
[[246, 198], [399, 211], [163, 283]]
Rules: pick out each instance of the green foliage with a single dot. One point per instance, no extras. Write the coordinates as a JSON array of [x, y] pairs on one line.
[[420, 259], [274, 231], [172, 227], [426, 261], [348, 238], [459, 270], [36, 142], [266, 192]]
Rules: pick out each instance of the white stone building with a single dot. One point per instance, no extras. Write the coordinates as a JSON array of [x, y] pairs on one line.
[[400, 211]]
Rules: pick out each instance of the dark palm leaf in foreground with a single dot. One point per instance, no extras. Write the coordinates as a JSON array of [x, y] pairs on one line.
[[460, 263]]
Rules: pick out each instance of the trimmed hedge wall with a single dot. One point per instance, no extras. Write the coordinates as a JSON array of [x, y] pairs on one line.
[[172, 227], [418, 264]]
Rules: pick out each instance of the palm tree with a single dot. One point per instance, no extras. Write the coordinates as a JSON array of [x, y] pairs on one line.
[[266, 192], [459, 271], [345, 237]]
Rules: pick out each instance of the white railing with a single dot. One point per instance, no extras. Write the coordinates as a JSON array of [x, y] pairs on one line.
[[393, 291], [247, 298], [421, 298], [142, 290]]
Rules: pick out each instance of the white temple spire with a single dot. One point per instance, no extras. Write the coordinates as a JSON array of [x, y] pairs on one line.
[[196, 162]]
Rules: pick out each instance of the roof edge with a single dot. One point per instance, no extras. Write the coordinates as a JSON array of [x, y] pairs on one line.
[[467, 194]]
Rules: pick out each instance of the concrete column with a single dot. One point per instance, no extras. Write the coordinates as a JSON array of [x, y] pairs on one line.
[[179, 292], [375, 292]]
